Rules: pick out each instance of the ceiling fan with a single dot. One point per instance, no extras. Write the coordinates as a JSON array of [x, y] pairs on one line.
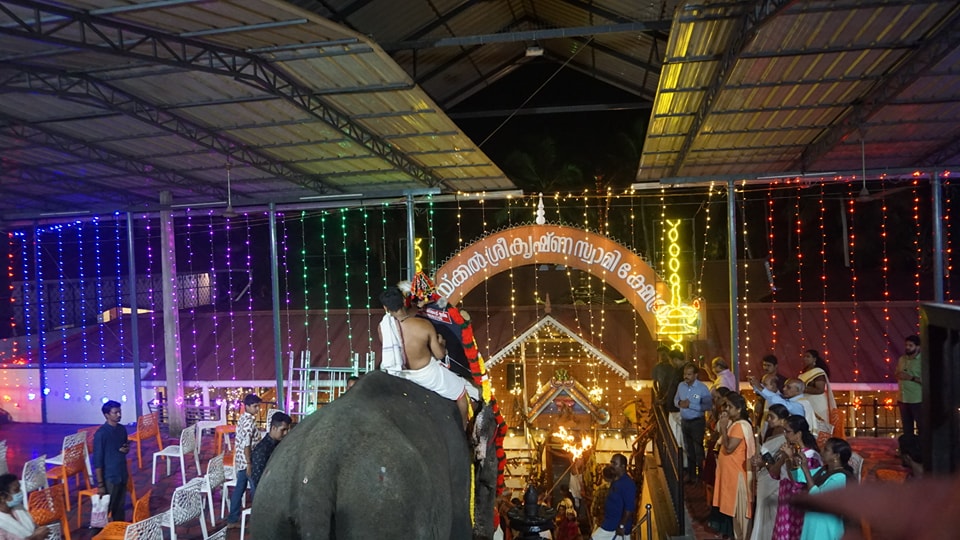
[[865, 195], [229, 212]]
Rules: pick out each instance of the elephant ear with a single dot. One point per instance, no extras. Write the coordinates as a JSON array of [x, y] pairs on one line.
[[925, 509]]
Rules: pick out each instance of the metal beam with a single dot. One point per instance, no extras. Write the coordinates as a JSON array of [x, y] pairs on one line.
[[751, 20], [87, 151], [441, 20], [939, 157], [610, 51], [607, 78], [70, 184], [485, 80], [940, 43], [105, 95], [105, 36], [561, 109], [528, 35], [594, 9]]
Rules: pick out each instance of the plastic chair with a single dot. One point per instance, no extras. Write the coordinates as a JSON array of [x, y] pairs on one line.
[[89, 433], [3, 458], [188, 444], [148, 529], [34, 476], [243, 521], [185, 505], [212, 424], [856, 463], [116, 530], [215, 478], [131, 489], [148, 426], [68, 441], [219, 535], [73, 464], [46, 508]]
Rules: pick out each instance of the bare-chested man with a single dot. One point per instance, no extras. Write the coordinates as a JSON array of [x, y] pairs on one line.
[[421, 347]]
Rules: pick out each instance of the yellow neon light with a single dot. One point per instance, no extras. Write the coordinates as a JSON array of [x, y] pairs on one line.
[[676, 319], [418, 254]]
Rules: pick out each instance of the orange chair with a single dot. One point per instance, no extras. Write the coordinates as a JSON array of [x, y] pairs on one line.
[[46, 508], [115, 530], [148, 426], [89, 433], [221, 434], [74, 464], [131, 488]]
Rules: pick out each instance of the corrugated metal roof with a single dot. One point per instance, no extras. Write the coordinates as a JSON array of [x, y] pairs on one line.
[[795, 86], [134, 98]]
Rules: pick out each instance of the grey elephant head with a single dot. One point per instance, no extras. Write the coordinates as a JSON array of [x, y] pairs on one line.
[[387, 459]]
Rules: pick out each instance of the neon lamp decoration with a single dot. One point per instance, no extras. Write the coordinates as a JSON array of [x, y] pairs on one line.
[[676, 319]]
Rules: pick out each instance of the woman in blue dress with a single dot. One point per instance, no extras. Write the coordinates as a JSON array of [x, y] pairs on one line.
[[835, 474]]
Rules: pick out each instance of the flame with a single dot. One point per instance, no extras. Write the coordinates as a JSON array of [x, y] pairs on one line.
[[569, 445]]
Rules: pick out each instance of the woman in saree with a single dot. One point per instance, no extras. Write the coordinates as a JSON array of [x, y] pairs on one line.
[[732, 492], [816, 379], [768, 485], [803, 446]]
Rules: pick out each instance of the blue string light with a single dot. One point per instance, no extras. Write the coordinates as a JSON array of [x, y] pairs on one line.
[[83, 314], [213, 293], [118, 290]]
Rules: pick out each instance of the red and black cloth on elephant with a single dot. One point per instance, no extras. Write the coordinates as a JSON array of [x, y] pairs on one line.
[[463, 355]]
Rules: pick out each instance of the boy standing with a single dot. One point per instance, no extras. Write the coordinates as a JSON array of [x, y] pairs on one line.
[[110, 447], [247, 437]]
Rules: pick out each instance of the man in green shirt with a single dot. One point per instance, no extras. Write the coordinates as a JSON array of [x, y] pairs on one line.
[[911, 385]]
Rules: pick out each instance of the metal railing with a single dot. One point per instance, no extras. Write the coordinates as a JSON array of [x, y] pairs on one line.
[[671, 457], [645, 520]]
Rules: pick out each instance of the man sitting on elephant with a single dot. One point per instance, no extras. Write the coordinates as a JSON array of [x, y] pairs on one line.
[[421, 346]]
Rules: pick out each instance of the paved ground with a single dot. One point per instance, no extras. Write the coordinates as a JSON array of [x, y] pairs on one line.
[[28, 441]]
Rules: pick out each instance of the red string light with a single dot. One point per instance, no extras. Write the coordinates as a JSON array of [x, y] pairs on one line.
[[946, 222], [851, 251], [886, 285], [918, 259], [798, 229], [771, 261], [823, 277]]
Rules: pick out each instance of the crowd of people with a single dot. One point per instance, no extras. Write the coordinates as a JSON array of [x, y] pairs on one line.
[[753, 463]]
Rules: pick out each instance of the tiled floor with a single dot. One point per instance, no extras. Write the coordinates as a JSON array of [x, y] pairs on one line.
[[28, 441], [879, 462]]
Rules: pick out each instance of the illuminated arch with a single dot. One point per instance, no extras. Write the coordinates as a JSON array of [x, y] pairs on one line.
[[614, 263]]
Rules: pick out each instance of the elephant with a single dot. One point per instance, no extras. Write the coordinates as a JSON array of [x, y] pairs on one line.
[[388, 459]]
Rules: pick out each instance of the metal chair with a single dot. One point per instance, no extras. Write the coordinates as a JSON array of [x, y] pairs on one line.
[[46, 508], [148, 529], [185, 505], [215, 478], [856, 463], [148, 426], [188, 444]]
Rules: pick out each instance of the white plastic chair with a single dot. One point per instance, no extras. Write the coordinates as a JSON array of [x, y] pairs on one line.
[[214, 479], [856, 463], [219, 535], [243, 521], [148, 529], [34, 477], [228, 484], [186, 504], [212, 424], [188, 444]]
